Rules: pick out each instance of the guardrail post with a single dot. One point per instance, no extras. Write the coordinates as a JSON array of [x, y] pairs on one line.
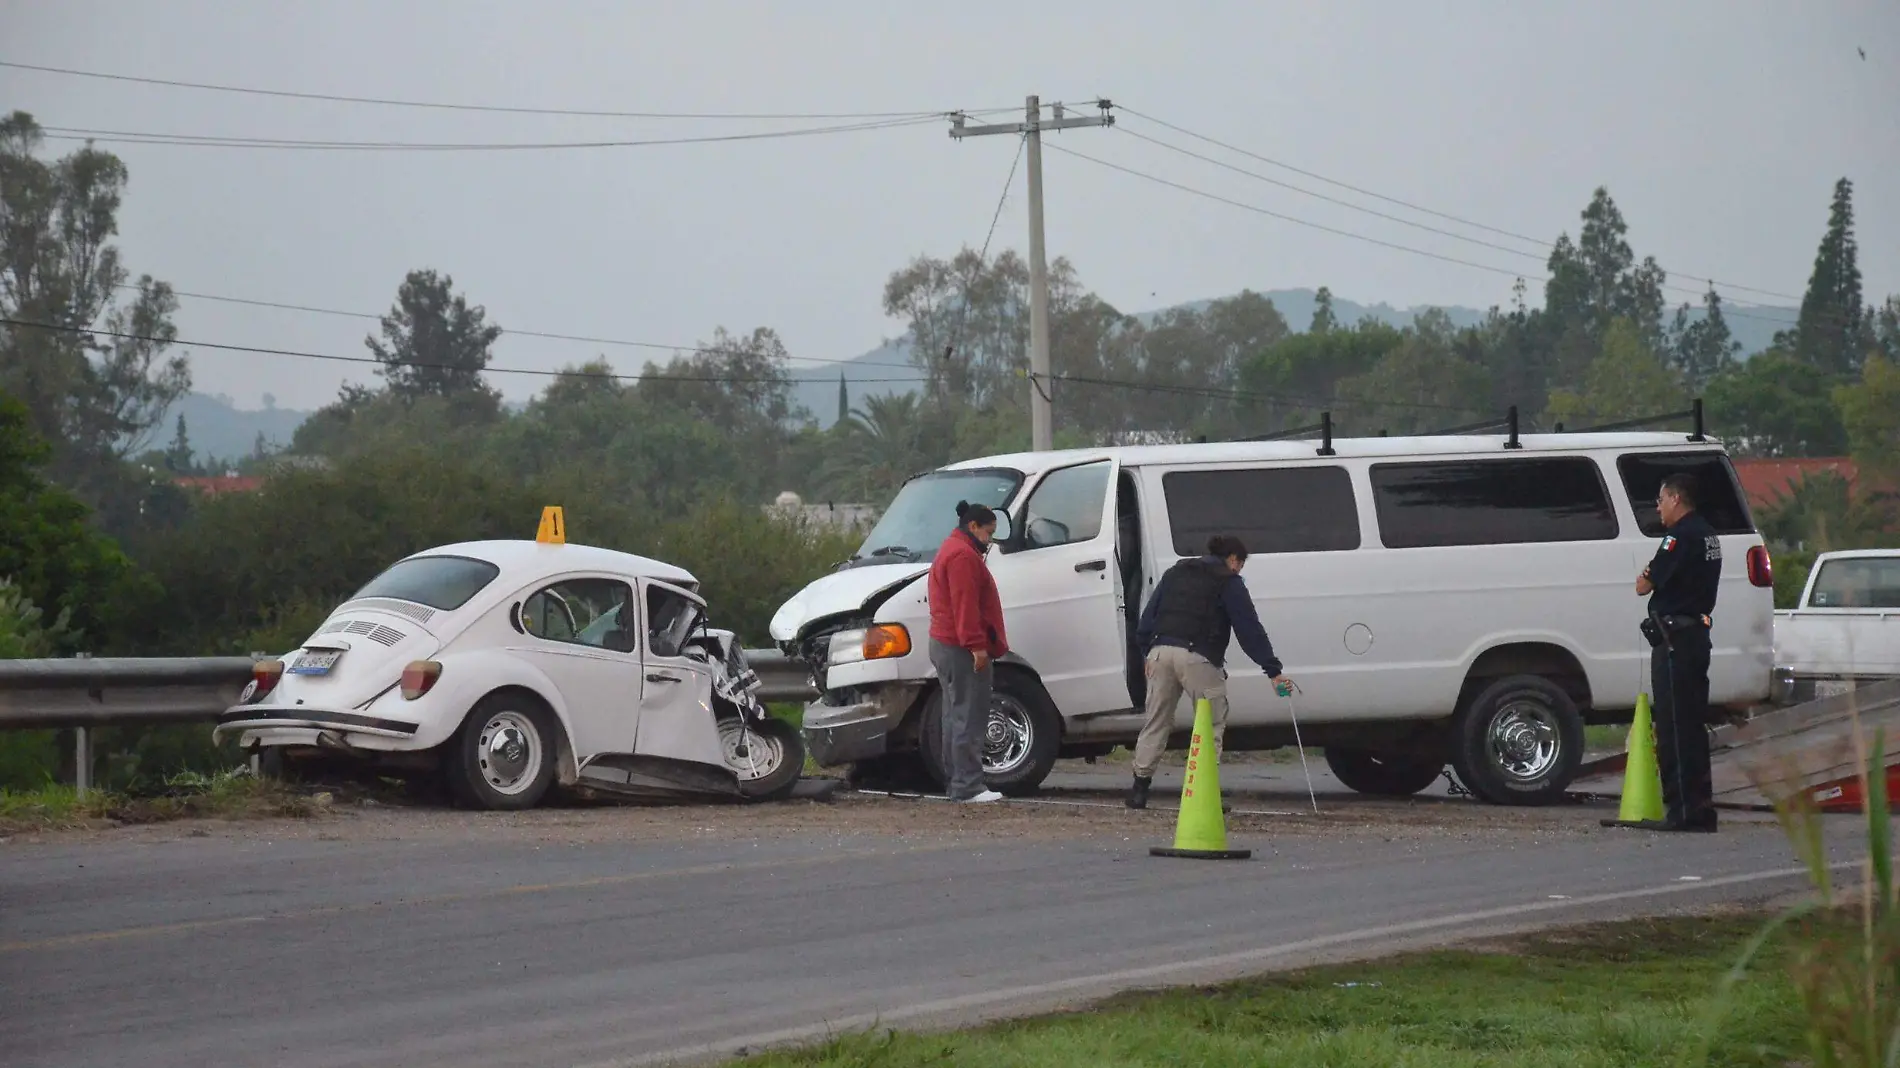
[[82, 754]]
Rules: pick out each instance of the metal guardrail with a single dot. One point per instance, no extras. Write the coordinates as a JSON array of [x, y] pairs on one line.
[[85, 692]]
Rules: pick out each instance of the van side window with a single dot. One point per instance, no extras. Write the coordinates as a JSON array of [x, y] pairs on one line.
[[1067, 507], [1721, 500], [1491, 502], [1271, 510]]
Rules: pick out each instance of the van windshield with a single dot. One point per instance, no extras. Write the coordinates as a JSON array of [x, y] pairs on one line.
[[925, 512]]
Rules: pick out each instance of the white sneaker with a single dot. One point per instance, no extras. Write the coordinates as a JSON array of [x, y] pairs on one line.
[[983, 798]]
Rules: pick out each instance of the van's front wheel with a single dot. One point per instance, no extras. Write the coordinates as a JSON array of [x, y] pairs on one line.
[[1020, 742], [1518, 742]]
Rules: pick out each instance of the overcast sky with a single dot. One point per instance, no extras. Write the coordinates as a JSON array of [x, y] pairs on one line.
[[1719, 126]]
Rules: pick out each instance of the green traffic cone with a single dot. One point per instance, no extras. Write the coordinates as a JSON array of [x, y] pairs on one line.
[[1200, 830], [1642, 779]]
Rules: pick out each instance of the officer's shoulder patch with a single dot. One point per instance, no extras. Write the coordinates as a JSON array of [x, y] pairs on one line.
[[1669, 543]]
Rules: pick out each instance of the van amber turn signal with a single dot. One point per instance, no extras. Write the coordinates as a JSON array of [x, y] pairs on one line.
[[418, 677], [886, 641]]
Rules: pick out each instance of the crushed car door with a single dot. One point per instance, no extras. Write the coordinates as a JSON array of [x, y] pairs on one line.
[[676, 709]]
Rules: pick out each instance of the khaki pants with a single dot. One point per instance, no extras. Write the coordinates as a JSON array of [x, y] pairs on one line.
[[1175, 671]]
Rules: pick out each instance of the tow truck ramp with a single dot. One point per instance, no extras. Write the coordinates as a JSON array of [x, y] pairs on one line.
[[1810, 746]]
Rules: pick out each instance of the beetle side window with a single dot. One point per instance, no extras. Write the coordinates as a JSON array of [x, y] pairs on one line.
[[1491, 502], [670, 621], [1066, 508], [1306, 509], [1873, 582], [1720, 497], [582, 612]]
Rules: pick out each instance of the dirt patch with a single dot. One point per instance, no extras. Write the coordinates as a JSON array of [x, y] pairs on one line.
[[1053, 814]]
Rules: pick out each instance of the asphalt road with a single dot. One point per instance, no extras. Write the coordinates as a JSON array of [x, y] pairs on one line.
[[239, 950]]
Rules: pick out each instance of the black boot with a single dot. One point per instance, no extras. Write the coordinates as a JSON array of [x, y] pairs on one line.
[[1138, 794]]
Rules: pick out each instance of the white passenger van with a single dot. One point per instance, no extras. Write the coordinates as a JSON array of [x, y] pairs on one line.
[[1463, 600]]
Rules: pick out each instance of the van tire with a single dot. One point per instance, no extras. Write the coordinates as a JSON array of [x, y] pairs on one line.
[[1519, 741], [1380, 774], [1017, 697]]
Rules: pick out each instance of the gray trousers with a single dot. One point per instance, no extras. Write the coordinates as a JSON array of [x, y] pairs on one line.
[[966, 718]]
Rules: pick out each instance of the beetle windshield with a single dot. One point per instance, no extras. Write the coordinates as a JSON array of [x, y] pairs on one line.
[[925, 512], [441, 582]]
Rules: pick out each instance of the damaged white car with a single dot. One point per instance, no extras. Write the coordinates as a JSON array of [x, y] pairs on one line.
[[516, 666]]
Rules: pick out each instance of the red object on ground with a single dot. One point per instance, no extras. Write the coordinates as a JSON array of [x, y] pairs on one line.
[[1844, 795]]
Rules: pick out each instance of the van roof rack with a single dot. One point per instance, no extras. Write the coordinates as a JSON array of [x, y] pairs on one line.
[[1510, 424]]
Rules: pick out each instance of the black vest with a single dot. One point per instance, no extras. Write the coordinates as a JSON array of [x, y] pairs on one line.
[[1189, 609]]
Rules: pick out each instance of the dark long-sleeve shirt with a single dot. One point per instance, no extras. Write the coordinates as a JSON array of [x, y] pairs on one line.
[[1237, 618]]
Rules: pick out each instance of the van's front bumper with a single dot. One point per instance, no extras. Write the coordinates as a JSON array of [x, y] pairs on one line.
[[858, 729]]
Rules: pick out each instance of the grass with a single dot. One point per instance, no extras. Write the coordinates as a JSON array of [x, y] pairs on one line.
[[231, 795], [1642, 992], [1605, 739]]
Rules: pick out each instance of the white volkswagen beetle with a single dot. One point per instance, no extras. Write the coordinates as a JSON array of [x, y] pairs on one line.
[[515, 665]]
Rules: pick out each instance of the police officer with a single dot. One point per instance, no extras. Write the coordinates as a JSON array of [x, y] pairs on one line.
[[1183, 638], [1681, 583]]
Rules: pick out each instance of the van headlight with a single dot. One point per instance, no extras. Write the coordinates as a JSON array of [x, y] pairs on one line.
[[882, 642]]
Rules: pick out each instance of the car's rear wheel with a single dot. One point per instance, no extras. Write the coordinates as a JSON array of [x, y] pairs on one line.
[[1518, 741], [1383, 774], [768, 756], [503, 757]]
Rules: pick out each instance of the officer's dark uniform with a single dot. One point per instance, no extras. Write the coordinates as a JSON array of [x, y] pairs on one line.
[[1685, 574]]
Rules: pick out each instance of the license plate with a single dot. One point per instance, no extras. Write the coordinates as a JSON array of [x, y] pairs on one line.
[[315, 662]]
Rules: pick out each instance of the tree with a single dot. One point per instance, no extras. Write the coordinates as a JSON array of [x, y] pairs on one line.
[[1420, 385], [435, 344], [1884, 327], [49, 549], [1597, 279], [178, 455], [1627, 381], [1829, 333], [1323, 317], [1703, 349], [98, 395], [1870, 412], [1774, 404], [844, 399]]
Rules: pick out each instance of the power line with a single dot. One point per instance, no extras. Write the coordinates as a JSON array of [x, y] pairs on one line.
[[489, 108], [332, 357], [1731, 310], [1329, 199], [135, 137], [983, 257], [542, 334], [1296, 220], [1408, 204]]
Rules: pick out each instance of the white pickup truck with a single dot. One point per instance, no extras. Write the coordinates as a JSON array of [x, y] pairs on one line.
[[1846, 632]]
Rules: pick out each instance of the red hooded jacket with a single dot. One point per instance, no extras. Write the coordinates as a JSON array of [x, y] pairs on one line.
[[965, 609]]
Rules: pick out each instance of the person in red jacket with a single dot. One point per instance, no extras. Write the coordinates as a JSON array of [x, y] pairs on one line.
[[966, 637]]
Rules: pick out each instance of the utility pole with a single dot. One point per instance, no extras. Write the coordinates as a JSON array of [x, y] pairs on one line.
[[1041, 419]]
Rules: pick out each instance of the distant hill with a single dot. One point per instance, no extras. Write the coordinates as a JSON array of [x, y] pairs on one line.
[[219, 430], [817, 387]]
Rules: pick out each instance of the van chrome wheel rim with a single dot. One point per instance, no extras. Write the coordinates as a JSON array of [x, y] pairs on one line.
[[1524, 741], [509, 752], [750, 754], [1007, 739]]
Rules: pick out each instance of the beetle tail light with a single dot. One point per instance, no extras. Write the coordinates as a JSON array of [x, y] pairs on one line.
[[1761, 569], [419, 678], [265, 675]]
